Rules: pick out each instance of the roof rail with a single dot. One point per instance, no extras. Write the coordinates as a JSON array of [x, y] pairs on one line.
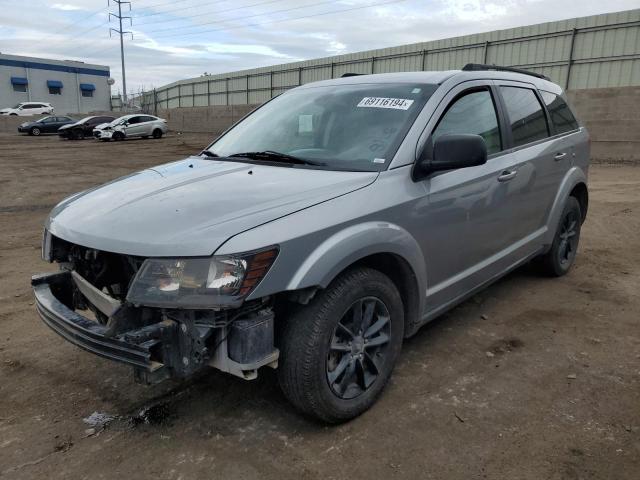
[[475, 67]]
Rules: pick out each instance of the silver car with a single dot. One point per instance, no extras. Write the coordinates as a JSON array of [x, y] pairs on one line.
[[321, 231], [131, 126]]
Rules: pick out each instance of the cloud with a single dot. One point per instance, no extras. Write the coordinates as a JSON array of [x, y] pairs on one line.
[[250, 35], [67, 7]]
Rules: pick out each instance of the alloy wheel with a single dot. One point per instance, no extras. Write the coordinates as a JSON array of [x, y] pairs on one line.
[[358, 348]]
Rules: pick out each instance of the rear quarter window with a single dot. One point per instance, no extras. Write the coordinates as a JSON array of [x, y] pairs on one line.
[[561, 115], [526, 116]]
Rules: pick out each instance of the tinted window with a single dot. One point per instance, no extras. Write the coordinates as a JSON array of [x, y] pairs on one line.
[[528, 122], [473, 113], [30, 106], [149, 119], [133, 120], [87, 93], [55, 91], [64, 119], [561, 115], [19, 87]]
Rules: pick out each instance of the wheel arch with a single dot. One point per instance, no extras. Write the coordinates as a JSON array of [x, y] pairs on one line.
[[381, 246], [574, 183], [581, 193]]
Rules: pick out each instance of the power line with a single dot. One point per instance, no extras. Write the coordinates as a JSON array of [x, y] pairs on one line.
[[178, 9], [283, 19], [243, 17], [186, 17]]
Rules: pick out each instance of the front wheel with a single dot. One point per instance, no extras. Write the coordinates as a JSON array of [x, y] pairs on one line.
[[560, 257], [35, 131], [117, 136], [338, 352]]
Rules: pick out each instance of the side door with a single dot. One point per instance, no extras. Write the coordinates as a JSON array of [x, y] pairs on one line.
[[469, 217], [134, 127], [49, 125], [538, 159]]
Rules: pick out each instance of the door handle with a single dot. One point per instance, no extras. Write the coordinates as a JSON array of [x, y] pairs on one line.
[[560, 156], [507, 175]]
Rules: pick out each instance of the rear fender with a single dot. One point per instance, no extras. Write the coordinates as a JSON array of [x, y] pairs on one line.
[[573, 177]]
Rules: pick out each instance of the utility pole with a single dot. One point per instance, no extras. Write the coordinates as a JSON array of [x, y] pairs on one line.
[[121, 32]]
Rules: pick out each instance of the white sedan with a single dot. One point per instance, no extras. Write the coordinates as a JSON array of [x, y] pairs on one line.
[[130, 126]]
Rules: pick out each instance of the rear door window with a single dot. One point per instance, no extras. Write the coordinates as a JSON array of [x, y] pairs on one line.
[[561, 115], [526, 116], [474, 113]]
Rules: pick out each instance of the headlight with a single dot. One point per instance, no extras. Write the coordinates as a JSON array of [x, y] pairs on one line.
[[199, 282]]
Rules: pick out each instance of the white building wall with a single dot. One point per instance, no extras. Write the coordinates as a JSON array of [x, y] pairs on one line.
[[39, 70]]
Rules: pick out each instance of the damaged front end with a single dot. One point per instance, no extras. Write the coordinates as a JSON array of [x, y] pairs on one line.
[[166, 318]]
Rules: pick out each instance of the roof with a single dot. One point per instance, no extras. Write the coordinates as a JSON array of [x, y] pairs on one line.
[[437, 78]]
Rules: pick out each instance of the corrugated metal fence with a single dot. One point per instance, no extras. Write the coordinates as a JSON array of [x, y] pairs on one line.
[[588, 52]]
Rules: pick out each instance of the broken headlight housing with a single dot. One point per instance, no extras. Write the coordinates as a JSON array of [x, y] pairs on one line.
[[199, 283]]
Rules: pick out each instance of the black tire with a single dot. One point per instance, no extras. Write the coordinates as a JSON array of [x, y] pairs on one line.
[[117, 136], [35, 131], [314, 346], [13, 114], [157, 133], [560, 257], [78, 134]]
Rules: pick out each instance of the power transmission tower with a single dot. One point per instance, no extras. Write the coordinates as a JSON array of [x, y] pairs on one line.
[[121, 32]]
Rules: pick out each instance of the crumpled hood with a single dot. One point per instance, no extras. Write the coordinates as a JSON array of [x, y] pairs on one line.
[[191, 207]]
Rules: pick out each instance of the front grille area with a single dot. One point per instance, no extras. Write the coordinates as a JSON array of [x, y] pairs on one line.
[[109, 272]]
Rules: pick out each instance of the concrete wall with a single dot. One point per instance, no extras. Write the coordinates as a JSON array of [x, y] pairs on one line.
[[212, 120], [613, 119], [38, 70]]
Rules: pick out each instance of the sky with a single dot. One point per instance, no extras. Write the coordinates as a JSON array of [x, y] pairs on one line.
[[173, 40]]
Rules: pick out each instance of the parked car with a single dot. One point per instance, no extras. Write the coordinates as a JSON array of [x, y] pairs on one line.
[[130, 126], [45, 125], [322, 230], [25, 109], [83, 128]]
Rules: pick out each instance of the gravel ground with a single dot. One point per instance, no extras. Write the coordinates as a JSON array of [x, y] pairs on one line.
[[533, 378]]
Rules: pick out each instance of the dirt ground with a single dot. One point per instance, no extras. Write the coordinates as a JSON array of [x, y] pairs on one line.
[[532, 379]]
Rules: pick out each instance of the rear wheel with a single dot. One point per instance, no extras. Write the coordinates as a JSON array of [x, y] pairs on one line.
[[559, 259], [339, 351], [35, 131], [157, 133]]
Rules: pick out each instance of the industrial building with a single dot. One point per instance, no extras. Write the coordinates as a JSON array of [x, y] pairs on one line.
[[70, 86]]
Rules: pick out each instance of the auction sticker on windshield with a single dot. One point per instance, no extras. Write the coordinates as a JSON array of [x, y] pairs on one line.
[[383, 102]]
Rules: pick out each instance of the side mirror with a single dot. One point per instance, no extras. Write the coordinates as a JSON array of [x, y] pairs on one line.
[[452, 151]]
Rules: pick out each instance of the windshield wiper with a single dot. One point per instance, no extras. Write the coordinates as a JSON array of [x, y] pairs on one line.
[[207, 153], [270, 155]]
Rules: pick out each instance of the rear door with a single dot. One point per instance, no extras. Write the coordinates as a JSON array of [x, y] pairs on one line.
[[536, 157]]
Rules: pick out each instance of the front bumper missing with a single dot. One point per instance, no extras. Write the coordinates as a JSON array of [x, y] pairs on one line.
[[52, 291], [156, 351]]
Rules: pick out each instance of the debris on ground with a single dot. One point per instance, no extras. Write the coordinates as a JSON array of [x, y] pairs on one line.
[[98, 420], [572, 376]]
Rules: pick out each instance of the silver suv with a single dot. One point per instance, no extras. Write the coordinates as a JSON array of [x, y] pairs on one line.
[[322, 230]]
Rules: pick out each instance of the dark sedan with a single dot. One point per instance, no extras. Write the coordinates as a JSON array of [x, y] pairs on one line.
[[45, 125], [83, 128]]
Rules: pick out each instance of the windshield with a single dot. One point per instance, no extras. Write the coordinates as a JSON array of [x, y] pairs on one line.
[[357, 127], [85, 119], [18, 105]]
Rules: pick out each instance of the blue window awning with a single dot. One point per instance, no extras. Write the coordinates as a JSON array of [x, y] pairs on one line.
[[87, 87], [19, 81], [54, 83]]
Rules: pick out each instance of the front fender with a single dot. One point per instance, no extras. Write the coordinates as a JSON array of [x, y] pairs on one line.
[[353, 243], [573, 177]]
